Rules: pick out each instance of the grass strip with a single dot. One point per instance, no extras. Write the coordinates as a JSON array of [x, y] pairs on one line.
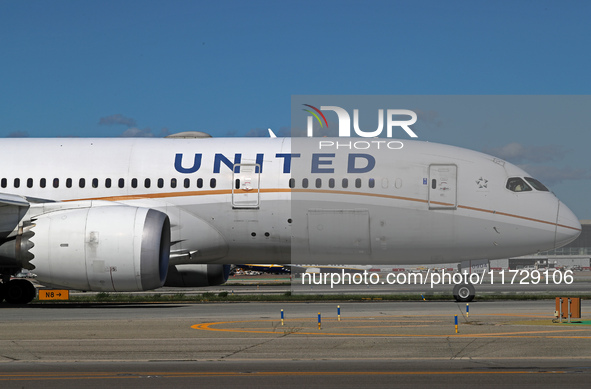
[[285, 297]]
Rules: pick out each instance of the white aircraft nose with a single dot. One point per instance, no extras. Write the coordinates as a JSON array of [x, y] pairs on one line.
[[568, 227]]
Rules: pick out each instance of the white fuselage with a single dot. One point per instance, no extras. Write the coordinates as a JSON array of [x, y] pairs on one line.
[[316, 200]]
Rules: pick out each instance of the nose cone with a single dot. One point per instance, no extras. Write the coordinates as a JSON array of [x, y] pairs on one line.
[[568, 227]]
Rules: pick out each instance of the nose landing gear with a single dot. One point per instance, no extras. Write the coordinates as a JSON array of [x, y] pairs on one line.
[[464, 293]]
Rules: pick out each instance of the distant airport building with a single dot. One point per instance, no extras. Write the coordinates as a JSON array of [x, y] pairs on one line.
[[575, 255]]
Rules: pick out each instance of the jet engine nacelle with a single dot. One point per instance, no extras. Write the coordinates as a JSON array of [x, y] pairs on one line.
[[105, 248], [189, 275]]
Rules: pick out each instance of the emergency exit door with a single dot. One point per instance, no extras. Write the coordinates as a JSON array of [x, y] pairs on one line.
[[245, 185], [443, 186]]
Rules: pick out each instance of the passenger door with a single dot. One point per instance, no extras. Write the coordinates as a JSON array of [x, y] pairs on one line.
[[245, 186], [443, 187]]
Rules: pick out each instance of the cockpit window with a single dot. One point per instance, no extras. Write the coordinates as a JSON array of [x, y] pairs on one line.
[[516, 184], [536, 184]]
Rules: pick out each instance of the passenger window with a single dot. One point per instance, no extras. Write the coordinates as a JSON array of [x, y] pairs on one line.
[[29, 183], [200, 183], [516, 184], [372, 183], [331, 183], [187, 182], [108, 183], [536, 184], [147, 183], [305, 183], [81, 182], [95, 182], [212, 183], [56, 182], [319, 183], [160, 183], [121, 183], [358, 183], [42, 182], [345, 183], [3, 183], [292, 183], [68, 183], [134, 182], [17, 182], [173, 182], [433, 184], [237, 184]]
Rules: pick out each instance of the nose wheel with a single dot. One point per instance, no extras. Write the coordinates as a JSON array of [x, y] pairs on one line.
[[464, 293]]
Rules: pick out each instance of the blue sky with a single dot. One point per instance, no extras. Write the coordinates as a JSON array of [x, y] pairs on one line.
[[68, 68]]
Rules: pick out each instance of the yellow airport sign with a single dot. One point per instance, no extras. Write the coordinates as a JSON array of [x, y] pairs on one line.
[[54, 294]]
